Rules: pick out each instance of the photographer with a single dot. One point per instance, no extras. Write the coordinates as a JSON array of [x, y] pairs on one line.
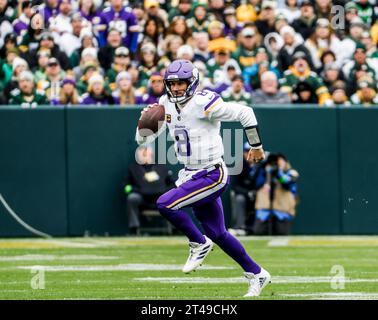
[[276, 184]]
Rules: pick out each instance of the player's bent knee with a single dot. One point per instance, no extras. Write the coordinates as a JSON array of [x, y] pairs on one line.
[[162, 204]]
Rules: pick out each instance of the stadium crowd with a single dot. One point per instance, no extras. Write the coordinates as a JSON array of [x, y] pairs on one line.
[[65, 52]]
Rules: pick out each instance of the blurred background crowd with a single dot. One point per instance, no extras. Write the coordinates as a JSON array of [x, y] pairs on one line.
[[66, 52]]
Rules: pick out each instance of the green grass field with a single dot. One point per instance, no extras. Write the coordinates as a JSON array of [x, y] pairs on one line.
[[150, 268]]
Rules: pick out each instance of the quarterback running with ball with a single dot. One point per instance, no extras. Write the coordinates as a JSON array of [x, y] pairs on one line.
[[194, 119]]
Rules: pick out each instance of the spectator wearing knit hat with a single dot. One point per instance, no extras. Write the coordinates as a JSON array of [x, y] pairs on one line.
[[97, 95], [88, 57], [360, 66], [18, 65], [25, 95], [87, 40], [125, 92], [68, 94], [200, 20]]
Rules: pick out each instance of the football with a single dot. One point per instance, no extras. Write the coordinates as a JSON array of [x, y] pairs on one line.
[[151, 120]]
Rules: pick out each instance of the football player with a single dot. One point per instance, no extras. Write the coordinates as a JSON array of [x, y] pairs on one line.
[[194, 118]]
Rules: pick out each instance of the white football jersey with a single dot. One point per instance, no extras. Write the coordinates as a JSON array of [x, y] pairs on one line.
[[195, 127]]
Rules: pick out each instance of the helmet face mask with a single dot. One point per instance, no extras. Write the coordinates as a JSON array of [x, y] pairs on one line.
[[182, 70]]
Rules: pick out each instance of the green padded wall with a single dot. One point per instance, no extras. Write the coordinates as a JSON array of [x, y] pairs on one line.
[[33, 169], [359, 170]]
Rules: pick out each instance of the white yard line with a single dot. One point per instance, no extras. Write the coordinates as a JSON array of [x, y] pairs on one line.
[[333, 295], [120, 267], [278, 242], [277, 279], [47, 257]]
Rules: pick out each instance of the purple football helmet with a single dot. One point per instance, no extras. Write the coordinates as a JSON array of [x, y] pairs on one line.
[[181, 70]]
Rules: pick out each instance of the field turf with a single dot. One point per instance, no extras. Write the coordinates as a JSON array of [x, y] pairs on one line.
[[325, 267]]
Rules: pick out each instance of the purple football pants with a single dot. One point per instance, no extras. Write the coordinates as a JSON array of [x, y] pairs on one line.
[[202, 193]]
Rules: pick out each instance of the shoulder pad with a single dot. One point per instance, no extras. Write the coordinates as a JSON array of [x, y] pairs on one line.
[[40, 92], [205, 97], [15, 92], [313, 74], [163, 100], [85, 95], [107, 9], [247, 95]]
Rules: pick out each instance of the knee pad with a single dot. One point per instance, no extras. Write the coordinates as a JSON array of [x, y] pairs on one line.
[[162, 204]]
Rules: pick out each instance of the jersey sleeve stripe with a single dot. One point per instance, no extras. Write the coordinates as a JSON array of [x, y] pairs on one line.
[[212, 106], [211, 102]]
